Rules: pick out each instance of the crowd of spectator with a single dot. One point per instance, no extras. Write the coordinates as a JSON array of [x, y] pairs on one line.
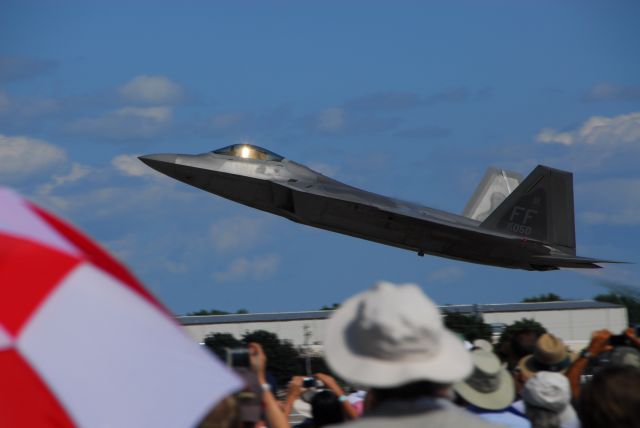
[[396, 364]]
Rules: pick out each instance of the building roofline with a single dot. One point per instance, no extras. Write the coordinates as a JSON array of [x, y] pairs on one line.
[[320, 315]]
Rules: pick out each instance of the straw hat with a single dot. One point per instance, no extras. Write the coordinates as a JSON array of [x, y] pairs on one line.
[[391, 335], [490, 385], [550, 354]]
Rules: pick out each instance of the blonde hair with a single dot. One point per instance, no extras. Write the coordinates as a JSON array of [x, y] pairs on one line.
[[223, 415]]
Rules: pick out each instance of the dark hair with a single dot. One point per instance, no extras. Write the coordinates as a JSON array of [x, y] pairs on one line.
[[611, 399], [326, 409], [409, 391]]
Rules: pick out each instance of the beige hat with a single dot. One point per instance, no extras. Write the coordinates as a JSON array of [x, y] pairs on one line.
[[391, 335], [550, 354], [490, 385]]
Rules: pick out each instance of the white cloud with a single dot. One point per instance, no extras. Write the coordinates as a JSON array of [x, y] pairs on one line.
[[151, 90], [125, 123], [45, 191], [77, 172], [22, 156], [549, 135], [131, 165], [598, 131], [446, 274], [258, 268], [100, 195], [237, 233], [331, 119]]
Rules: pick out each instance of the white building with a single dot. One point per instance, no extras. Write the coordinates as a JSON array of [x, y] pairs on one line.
[[573, 321]]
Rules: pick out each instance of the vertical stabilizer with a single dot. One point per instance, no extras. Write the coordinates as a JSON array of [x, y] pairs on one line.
[[494, 188], [540, 208]]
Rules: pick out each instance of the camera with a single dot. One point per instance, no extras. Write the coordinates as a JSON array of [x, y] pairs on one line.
[[619, 340], [237, 357], [312, 382]]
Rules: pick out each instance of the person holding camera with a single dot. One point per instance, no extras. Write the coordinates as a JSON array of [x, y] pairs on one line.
[[320, 399], [258, 362], [605, 349], [248, 408]]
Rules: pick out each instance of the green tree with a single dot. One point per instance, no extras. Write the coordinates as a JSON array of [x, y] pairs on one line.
[[207, 312], [632, 303], [330, 308], [549, 297], [216, 312], [470, 326], [217, 342], [282, 357], [525, 324]]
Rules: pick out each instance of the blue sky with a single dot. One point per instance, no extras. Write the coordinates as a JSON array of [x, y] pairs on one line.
[[408, 99]]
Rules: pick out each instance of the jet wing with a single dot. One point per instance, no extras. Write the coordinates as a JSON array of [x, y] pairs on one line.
[[388, 212], [346, 193]]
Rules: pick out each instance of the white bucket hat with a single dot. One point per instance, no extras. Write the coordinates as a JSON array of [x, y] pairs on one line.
[[551, 391], [391, 335], [490, 385]]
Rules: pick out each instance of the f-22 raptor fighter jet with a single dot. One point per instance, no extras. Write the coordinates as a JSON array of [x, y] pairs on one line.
[[528, 226]]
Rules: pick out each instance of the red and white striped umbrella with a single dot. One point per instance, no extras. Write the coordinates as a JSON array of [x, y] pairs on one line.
[[82, 343]]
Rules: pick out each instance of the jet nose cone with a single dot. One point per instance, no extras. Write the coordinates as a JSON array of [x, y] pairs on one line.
[[162, 162], [152, 160]]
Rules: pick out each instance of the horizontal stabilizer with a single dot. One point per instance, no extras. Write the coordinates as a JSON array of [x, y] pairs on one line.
[[569, 261]]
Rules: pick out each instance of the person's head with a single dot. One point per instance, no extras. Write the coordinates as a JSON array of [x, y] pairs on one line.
[[611, 399], [490, 386], [523, 343], [520, 343], [407, 392], [326, 409], [223, 415], [391, 337], [549, 354], [547, 399]]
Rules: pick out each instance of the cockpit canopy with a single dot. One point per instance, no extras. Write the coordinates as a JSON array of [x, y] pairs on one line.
[[249, 151]]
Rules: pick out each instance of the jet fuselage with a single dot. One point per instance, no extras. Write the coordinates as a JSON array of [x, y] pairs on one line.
[[296, 192]]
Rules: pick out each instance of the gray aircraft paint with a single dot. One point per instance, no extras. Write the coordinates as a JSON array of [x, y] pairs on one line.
[[531, 229]]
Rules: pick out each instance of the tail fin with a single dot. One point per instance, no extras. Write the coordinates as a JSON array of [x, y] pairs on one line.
[[494, 188], [540, 208]]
